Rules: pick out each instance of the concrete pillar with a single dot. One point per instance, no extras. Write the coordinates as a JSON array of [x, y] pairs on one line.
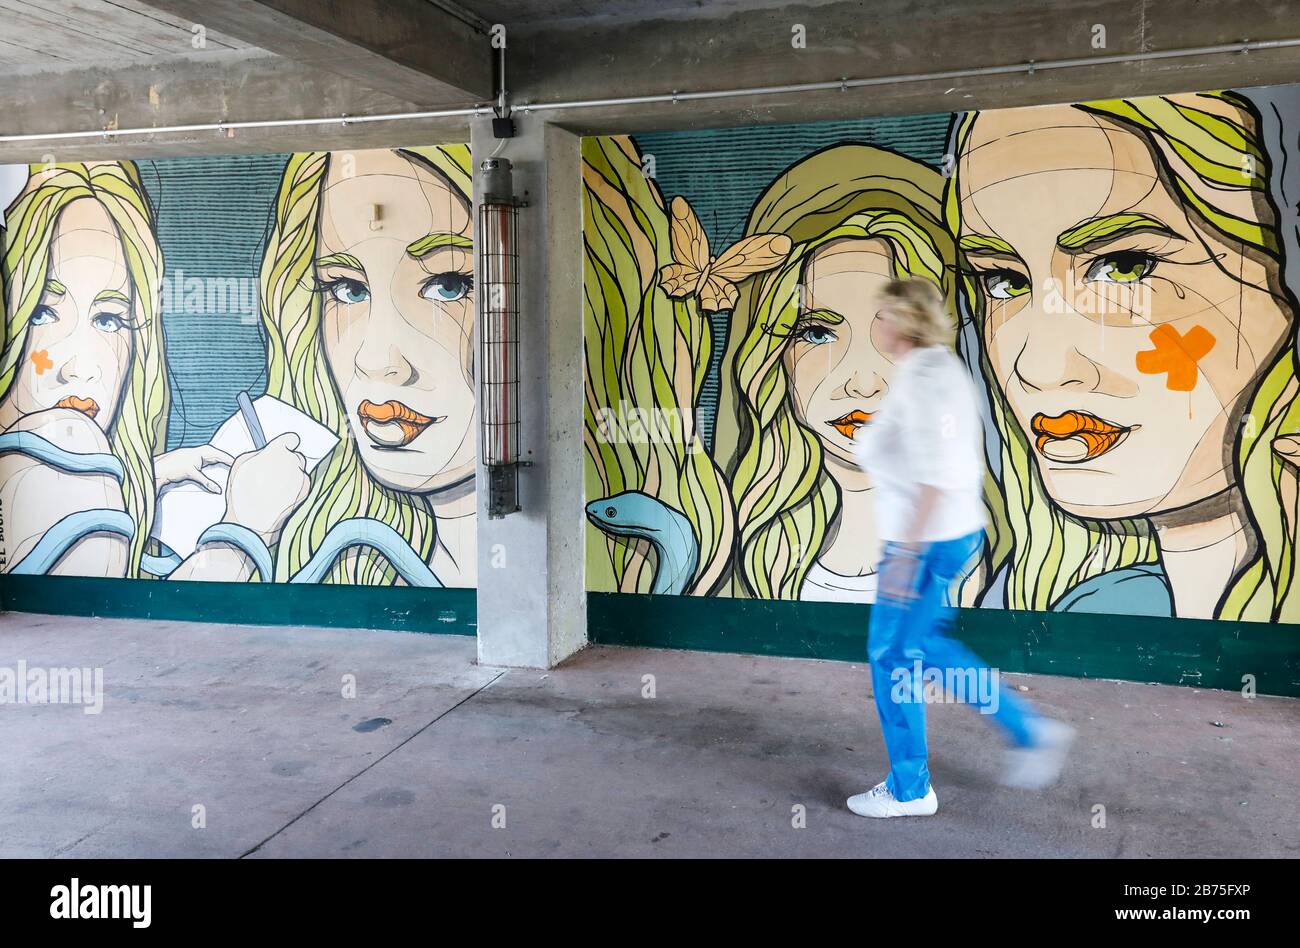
[[532, 602]]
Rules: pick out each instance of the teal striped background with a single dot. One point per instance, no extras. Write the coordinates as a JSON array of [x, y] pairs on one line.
[[722, 171], [213, 217]]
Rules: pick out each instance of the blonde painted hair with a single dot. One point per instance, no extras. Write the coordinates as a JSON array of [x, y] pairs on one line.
[[298, 373], [917, 309], [646, 353], [786, 502], [140, 418]]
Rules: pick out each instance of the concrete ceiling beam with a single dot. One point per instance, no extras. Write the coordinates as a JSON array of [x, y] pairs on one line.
[[416, 50]]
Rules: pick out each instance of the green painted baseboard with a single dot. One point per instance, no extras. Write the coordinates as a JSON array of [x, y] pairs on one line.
[[1171, 651], [402, 608], [1208, 654]]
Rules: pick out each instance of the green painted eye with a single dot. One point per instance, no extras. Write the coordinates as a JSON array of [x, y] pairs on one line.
[[1129, 266], [1004, 284]]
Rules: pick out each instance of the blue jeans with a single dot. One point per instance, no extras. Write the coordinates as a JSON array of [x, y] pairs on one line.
[[906, 634]]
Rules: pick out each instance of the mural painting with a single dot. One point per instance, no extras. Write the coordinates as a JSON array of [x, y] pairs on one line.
[[1122, 276], [307, 416]]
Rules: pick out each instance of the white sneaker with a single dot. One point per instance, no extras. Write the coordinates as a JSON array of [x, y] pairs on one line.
[[1036, 767], [879, 803]]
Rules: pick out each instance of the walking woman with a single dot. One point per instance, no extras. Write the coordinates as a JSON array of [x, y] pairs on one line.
[[923, 450]]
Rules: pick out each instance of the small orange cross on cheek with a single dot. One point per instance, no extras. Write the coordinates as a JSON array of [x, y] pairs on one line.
[[41, 359], [1176, 354]]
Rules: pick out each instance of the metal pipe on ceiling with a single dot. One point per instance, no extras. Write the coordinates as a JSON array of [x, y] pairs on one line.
[[1028, 68]]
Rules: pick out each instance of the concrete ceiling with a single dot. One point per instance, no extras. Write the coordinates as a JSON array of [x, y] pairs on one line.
[[76, 33], [104, 64], [554, 14]]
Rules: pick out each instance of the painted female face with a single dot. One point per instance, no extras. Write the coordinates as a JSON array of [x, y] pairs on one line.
[[397, 317], [836, 370], [1126, 336], [80, 335]]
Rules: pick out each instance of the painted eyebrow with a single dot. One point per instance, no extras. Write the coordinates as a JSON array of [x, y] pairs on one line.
[[436, 241], [822, 316], [1112, 225], [55, 287], [341, 260], [978, 243], [827, 316], [113, 296]]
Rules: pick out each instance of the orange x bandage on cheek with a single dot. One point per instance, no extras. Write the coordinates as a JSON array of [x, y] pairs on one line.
[[1176, 355], [41, 359]]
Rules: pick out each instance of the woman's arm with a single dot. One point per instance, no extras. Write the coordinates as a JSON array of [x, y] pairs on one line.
[[35, 495], [927, 499], [264, 489]]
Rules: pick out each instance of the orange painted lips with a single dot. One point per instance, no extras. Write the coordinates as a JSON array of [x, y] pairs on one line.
[[394, 424], [1075, 436], [849, 424], [87, 406]]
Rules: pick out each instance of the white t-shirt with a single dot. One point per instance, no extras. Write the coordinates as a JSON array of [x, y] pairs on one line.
[[926, 430]]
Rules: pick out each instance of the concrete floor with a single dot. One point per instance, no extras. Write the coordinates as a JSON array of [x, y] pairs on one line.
[[250, 723]]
